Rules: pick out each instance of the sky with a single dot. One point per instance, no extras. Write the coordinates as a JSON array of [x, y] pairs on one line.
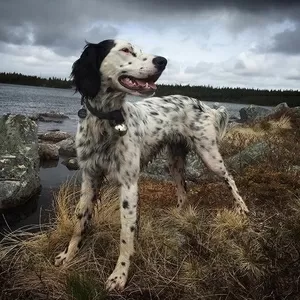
[[234, 43]]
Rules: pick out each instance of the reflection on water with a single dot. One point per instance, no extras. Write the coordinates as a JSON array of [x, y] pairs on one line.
[[39, 208]]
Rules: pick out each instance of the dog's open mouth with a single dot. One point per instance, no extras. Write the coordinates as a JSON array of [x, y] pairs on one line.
[[141, 85]]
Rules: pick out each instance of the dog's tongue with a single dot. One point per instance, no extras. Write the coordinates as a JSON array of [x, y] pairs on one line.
[[143, 83]]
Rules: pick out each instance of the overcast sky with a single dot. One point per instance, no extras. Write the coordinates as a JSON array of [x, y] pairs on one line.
[[243, 43]]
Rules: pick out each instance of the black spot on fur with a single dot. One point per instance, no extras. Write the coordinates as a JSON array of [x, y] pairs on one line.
[[79, 216], [123, 241], [130, 63], [123, 274], [154, 113], [121, 66], [133, 54], [124, 72], [118, 165], [132, 228], [144, 59], [58, 257], [125, 204], [123, 263], [141, 68]]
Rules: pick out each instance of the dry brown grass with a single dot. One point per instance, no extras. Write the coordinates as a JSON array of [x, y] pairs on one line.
[[205, 251]]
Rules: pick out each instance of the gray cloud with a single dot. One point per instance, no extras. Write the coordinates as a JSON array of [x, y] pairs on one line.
[[63, 25], [287, 42], [29, 29], [295, 77], [59, 25], [199, 68], [254, 6]]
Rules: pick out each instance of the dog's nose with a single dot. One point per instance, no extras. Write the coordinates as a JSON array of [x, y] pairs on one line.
[[159, 62]]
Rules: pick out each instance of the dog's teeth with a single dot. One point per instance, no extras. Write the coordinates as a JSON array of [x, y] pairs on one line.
[[147, 85]]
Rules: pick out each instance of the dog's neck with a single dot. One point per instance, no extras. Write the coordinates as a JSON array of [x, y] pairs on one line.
[[108, 100]]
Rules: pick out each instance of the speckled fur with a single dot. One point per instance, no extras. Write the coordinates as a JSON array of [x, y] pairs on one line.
[[175, 122]]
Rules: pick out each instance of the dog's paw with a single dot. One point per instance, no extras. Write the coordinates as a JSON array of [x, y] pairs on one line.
[[61, 259], [116, 281], [241, 209]]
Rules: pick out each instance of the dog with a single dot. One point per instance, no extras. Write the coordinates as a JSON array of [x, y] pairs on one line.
[[116, 138]]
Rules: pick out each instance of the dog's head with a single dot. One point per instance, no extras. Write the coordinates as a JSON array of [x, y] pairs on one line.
[[116, 65]]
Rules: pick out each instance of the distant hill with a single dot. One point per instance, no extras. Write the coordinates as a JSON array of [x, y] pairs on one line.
[[205, 93]]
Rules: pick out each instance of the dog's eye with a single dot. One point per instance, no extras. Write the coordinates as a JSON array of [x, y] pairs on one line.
[[126, 50]]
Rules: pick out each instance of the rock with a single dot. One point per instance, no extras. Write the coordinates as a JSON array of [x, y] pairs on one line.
[[249, 156], [279, 107], [19, 160], [54, 136], [196, 170], [158, 169], [252, 113], [48, 120], [71, 163], [216, 105], [295, 111], [52, 117], [34, 117], [67, 147], [48, 151]]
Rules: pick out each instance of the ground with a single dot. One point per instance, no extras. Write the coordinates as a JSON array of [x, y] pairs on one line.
[[205, 251]]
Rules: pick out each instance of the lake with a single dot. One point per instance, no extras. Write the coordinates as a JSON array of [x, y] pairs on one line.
[[28, 100]]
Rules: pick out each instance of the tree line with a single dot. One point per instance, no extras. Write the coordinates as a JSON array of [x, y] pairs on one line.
[[205, 93]]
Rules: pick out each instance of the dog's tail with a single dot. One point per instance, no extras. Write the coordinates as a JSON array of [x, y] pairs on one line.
[[221, 121]]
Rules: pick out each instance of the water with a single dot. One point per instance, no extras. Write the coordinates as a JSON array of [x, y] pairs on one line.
[[19, 99]]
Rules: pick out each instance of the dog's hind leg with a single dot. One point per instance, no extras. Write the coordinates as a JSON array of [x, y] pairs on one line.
[[176, 155], [208, 150], [84, 211]]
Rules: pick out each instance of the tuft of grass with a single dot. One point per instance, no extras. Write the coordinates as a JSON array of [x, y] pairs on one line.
[[205, 251]]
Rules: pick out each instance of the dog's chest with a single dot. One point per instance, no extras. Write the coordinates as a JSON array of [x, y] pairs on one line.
[[98, 150]]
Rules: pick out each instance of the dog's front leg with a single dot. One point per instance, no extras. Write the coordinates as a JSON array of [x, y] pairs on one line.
[[128, 201]]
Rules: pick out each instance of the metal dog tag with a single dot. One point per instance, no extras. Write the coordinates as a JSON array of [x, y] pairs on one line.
[[82, 113], [121, 129]]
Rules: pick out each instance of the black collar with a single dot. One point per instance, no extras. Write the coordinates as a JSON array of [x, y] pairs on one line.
[[115, 115]]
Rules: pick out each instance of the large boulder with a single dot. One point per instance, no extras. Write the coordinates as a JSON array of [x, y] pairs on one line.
[[67, 147], [252, 113], [54, 136], [19, 160], [251, 155], [196, 170]]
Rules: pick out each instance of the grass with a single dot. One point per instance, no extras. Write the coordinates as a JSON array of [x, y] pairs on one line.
[[205, 251]]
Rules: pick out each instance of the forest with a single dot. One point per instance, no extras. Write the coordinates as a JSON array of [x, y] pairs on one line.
[[205, 93]]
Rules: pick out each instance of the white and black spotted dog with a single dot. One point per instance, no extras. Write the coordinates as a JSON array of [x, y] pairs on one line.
[[116, 138]]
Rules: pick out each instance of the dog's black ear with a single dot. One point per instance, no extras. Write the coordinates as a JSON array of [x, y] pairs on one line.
[[86, 70]]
